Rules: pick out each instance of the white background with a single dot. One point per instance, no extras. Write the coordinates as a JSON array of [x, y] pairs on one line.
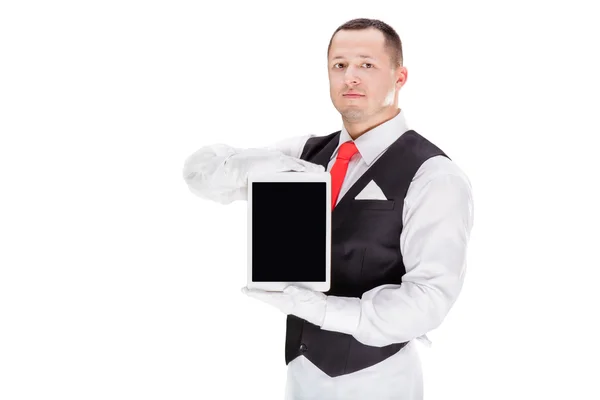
[[117, 283]]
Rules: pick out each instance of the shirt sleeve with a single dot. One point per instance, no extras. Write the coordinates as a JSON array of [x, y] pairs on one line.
[[216, 172], [434, 247]]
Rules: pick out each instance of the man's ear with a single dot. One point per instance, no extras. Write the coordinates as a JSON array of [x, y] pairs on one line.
[[401, 76]]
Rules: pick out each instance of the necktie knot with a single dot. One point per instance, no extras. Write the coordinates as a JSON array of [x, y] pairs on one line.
[[347, 150]]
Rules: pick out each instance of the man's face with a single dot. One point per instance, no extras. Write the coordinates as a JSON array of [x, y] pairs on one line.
[[362, 80]]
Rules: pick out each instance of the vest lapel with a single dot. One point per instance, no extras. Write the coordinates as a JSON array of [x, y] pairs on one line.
[[323, 156], [342, 209], [344, 206]]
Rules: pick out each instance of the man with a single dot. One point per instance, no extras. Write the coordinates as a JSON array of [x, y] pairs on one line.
[[402, 217]]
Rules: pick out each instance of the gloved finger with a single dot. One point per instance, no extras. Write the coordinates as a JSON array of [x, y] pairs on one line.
[[263, 294], [290, 164], [309, 166], [299, 293], [292, 290]]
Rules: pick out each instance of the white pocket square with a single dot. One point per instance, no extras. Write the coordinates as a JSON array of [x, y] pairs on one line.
[[371, 192]]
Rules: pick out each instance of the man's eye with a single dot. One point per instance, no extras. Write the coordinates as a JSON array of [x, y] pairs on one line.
[[369, 65], [335, 65]]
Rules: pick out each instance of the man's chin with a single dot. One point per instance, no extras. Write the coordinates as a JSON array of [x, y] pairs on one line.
[[353, 115]]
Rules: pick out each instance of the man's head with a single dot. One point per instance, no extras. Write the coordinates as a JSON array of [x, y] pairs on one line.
[[365, 59]]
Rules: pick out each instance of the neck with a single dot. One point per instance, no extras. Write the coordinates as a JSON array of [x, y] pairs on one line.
[[356, 129]]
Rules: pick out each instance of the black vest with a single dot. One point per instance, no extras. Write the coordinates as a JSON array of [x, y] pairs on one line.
[[365, 250]]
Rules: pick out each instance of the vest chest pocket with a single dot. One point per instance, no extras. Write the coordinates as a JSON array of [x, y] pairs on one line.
[[372, 204], [373, 220]]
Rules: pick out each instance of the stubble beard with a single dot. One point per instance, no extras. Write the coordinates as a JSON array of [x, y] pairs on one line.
[[353, 115]]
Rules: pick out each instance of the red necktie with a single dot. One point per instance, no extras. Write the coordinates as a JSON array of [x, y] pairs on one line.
[[338, 171]]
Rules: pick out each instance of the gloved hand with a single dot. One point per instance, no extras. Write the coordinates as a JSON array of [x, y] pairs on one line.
[[220, 172], [301, 302], [259, 161]]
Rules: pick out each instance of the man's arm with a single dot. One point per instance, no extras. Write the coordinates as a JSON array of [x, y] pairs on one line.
[[219, 172], [434, 247]]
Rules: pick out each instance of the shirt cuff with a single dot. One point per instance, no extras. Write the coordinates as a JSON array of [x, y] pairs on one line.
[[342, 314]]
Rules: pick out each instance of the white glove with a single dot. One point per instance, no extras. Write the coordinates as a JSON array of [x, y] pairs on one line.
[[301, 302], [220, 172], [259, 161]]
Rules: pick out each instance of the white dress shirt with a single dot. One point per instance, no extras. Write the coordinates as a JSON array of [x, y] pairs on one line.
[[437, 222]]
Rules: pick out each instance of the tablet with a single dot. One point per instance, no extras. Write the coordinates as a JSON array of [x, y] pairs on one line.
[[289, 230]]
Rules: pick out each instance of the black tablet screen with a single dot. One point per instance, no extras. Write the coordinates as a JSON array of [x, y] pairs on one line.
[[288, 231]]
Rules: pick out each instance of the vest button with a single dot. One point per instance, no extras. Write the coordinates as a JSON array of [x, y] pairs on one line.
[[303, 347]]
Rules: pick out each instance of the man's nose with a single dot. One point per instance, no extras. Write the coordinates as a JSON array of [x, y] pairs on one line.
[[351, 77]]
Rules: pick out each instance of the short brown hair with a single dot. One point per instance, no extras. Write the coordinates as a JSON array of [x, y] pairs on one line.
[[392, 39]]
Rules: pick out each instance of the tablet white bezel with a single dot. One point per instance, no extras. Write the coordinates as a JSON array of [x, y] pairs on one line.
[[292, 177]]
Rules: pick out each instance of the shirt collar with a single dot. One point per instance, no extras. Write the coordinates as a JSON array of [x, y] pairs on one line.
[[373, 142]]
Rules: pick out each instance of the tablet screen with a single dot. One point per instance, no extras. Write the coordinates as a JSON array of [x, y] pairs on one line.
[[289, 231]]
